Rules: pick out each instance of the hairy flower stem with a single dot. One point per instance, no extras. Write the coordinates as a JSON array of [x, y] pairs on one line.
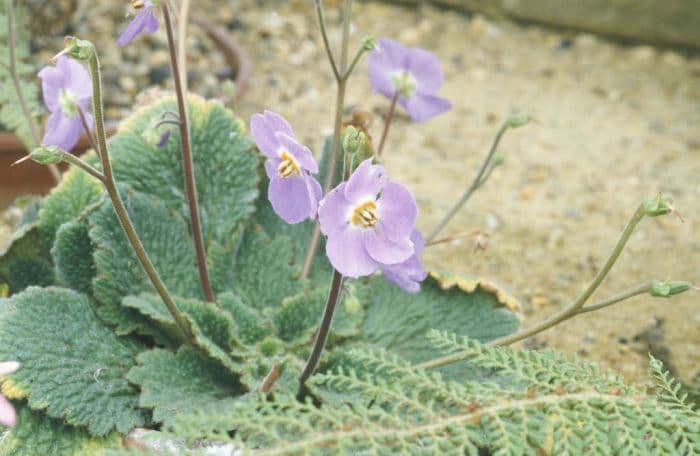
[[75, 161], [322, 336], [573, 309], [387, 123], [119, 208], [478, 182], [187, 165], [12, 69], [339, 106], [86, 129]]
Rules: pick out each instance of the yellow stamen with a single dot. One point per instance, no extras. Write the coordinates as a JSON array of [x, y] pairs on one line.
[[288, 166], [365, 215], [137, 4]]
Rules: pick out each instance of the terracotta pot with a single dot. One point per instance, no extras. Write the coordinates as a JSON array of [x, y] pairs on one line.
[[32, 178]]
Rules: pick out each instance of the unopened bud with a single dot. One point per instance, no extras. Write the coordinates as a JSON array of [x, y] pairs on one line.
[[79, 49], [369, 43], [353, 140], [47, 155], [498, 159], [517, 120], [667, 289], [659, 205]]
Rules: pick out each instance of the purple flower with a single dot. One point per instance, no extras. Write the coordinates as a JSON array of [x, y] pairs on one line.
[[293, 192], [368, 221], [412, 72], [409, 274], [8, 417], [67, 88], [144, 22]]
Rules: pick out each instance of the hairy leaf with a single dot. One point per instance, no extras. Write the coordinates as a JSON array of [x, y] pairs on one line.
[[70, 198], [37, 434], [252, 326], [182, 383], [225, 165], [72, 254], [165, 238], [398, 321], [71, 365]]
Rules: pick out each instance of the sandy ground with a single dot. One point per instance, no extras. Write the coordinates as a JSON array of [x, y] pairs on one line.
[[615, 125]]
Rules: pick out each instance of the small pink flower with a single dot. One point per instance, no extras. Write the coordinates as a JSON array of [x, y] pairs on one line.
[[8, 417]]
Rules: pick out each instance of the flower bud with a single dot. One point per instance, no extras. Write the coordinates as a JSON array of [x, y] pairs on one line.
[[659, 205], [79, 49], [369, 43], [667, 288], [517, 120], [357, 147], [47, 155]]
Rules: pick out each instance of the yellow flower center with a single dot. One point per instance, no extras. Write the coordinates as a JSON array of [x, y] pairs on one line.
[[288, 166], [365, 215], [137, 4]]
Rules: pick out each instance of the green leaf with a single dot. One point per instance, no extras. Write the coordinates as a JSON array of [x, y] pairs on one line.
[[225, 165], [71, 365], [214, 323], [252, 326], [299, 316], [182, 383], [72, 254], [265, 273], [70, 198], [25, 272], [165, 238], [398, 321], [23, 245], [37, 434]]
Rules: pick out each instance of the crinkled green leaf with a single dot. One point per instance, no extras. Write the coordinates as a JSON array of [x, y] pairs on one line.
[[398, 321], [265, 273], [214, 323], [225, 164], [77, 191], [23, 245], [179, 384], [251, 325], [72, 254], [165, 238], [37, 434], [299, 315], [71, 365], [25, 272]]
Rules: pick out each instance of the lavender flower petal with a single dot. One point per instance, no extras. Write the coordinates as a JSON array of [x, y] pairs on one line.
[[76, 80], [333, 211], [425, 67], [144, 22], [264, 128], [8, 417], [346, 252], [301, 153], [385, 251], [423, 107], [410, 273], [62, 131], [397, 211], [388, 59], [290, 199], [51, 85], [366, 182]]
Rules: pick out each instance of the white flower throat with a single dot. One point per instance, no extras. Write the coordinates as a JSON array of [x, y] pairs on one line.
[[67, 102], [404, 83]]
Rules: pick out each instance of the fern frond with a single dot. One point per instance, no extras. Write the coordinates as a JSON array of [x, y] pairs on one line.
[[389, 407], [11, 113]]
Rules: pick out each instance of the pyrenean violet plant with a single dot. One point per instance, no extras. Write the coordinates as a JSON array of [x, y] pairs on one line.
[[167, 293]]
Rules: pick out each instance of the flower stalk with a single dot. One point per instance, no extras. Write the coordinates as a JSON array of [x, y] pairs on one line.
[[478, 182], [119, 208], [576, 307], [187, 164], [387, 123], [341, 77]]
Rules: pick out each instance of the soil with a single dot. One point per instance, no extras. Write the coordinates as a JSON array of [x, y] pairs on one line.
[[614, 125]]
